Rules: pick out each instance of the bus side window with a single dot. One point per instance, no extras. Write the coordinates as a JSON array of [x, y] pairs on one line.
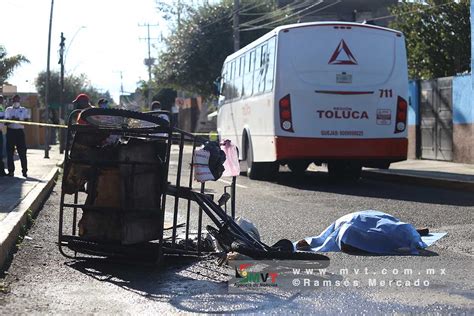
[[249, 74], [256, 73], [232, 80], [225, 82], [241, 76], [270, 65], [263, 69]]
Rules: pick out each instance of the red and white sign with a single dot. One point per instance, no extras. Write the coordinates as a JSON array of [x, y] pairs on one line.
[[342, 55]]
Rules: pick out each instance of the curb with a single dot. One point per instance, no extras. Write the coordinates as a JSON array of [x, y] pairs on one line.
[[434, 182], [11, 225]]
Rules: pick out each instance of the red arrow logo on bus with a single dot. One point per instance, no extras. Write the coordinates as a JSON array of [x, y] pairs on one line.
[[342, 55]]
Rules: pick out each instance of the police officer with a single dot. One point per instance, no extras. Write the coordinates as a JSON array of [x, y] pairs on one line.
[[16, 135], [2, 116]]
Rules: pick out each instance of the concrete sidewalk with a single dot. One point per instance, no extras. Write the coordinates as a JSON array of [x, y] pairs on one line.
[[427, 172], [18, 195]]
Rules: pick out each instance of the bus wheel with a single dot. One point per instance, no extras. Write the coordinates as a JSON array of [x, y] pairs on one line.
[[344, 170], [259, 170], [298, 167]]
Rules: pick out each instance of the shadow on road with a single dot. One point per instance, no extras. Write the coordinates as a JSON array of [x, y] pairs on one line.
[[187, 284], [320, 182]]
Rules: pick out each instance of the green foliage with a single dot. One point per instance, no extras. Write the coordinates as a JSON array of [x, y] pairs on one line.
[[196, 50], [9, 64], [437, 35], [72, 87]]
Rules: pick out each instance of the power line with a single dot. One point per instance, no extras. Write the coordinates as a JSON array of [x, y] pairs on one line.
[[287, 17], [242, 9], [277, 12]]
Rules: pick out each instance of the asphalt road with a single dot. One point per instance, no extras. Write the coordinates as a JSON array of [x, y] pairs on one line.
[[41, 280]]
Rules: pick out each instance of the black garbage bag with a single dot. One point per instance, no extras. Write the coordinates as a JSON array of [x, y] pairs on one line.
[[216, 158]]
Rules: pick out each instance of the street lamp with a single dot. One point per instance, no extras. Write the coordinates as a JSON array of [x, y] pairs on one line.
[[72, 40]]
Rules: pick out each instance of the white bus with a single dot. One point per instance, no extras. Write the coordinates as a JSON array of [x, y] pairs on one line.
[[322, 92]]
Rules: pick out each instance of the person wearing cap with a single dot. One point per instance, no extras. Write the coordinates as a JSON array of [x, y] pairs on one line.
[[103, 103], [2, 116], [16, 135], [81, 102]]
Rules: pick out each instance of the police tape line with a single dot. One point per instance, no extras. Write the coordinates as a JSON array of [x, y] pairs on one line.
[[34, 123], [65, 126]]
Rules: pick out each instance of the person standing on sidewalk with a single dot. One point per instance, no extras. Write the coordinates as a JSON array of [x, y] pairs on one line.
[[16, 135], [2, 116]]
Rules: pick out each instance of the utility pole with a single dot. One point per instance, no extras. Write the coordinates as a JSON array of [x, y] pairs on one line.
[[61, 93], [149, 61], [236, 25], [48, 77], [179, 15]]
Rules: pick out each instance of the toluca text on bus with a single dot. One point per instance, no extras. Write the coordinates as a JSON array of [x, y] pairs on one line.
[[331, 93]]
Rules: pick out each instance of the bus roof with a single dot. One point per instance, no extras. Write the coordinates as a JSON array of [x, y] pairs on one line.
[[298, 25]]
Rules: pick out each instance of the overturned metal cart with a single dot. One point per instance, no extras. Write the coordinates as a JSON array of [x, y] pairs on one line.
[[117, 185]]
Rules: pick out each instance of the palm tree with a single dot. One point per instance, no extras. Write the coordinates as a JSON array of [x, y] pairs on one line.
[[8, 64]]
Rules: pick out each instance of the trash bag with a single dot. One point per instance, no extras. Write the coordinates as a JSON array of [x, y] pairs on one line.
[[208, 162], [231, 164], [216, 159]]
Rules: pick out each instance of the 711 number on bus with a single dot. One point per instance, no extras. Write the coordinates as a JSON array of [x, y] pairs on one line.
[[385, 93]]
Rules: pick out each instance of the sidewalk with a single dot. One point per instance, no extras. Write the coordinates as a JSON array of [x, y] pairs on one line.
[[19, 194], [427, 172]]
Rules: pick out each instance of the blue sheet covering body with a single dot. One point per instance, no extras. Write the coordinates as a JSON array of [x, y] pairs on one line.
[[371, 231]]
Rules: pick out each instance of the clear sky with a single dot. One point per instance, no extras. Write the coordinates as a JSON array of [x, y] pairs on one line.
[[105, 37]]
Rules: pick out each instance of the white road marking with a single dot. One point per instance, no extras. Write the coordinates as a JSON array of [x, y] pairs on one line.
[[238, 185]]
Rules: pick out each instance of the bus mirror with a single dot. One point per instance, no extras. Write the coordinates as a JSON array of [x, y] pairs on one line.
[[216, 87]]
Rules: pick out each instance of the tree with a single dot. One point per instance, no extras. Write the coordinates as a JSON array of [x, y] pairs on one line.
[[9, 64], [72, 87], [196, 50], [437, 35]]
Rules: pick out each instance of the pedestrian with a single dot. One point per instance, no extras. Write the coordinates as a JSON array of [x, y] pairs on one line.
[[81, 102], [16, 135], [103, 103], [155, 106], [2, 116]]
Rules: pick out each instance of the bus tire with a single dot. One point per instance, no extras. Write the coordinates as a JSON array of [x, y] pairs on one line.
[[259, 170], [298, 167], [344, 170]]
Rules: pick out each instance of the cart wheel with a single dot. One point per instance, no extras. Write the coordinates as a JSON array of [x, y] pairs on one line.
[[90, 116], [276, 254]]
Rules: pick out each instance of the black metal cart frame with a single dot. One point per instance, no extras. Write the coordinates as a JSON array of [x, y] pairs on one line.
[[158, 128]]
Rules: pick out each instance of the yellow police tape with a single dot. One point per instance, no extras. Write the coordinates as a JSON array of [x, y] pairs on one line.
[[212, 135], [34, 123]]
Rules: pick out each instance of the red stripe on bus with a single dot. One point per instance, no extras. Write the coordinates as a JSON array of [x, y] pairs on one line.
[[332, 148], [344, 92]]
